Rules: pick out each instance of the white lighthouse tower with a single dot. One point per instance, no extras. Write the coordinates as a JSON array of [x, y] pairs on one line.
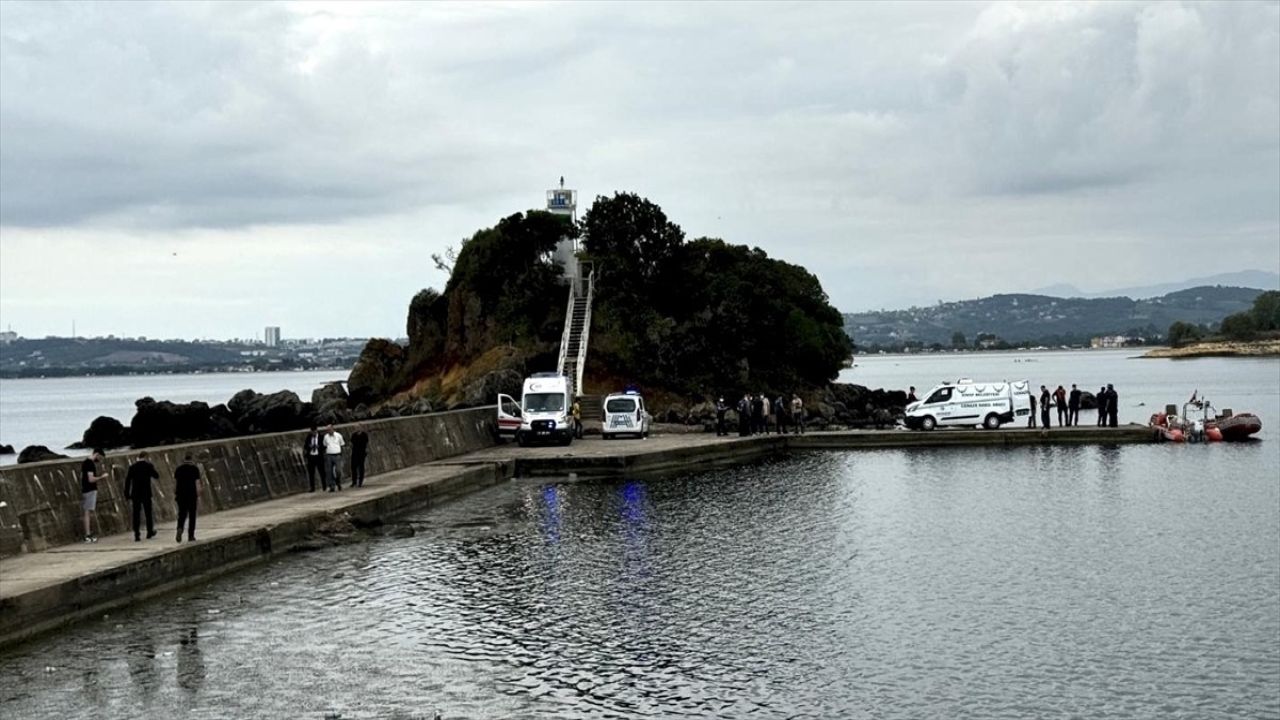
[[561, 201]]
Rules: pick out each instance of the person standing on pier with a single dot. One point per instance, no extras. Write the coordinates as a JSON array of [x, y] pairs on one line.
[[1113, 406], [1060, 402], [797, 414], [1031, 419], [1045, 399], [744, 416], [766, 413], [780, 414], [359, 450], [333, 443], [575, 410], [1073, 406], [137, 487], [757, 413], [187, 493], [89, 478], [721, 409], [313, 451], [1102, 406]]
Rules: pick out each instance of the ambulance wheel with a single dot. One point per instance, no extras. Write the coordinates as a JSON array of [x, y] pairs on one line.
[[928, 423], [992, 422], [606, 436]]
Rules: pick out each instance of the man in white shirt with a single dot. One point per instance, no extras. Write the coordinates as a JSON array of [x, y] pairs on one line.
[[333, 443]]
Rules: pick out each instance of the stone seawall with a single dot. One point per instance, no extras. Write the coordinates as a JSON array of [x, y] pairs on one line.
[[40, 502]]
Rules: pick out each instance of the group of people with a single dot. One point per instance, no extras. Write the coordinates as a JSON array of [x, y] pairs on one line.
[[323, 451], [757, 415], [138, 490], [1067, 404]]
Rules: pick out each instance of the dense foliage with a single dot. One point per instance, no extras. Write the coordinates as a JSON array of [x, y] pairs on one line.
[[1182, 333], [704, 316], [1263, 317]]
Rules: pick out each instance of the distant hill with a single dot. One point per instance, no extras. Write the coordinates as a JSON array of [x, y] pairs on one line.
[[1259, 279], [1042, 319]]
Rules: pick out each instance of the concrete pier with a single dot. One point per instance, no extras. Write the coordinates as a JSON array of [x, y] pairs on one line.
[[42, 590]]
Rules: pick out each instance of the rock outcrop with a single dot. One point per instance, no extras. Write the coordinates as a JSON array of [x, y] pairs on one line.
[[6, 449], [376, 373], [38, 453], [163, 422], [104, 432], [253, 412]]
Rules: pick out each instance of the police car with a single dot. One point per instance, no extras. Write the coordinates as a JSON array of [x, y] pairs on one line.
[[624, 414]]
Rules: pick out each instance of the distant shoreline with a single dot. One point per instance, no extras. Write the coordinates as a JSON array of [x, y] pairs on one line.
[[1258, 348], [55, 373]]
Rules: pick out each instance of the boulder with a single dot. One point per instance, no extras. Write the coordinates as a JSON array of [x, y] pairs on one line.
[[674, 414], [1088, 401], [165, 423], [376, 372], [484, 390], [105, 432], [6, 449], [253, 412], [38, 453], [329, 394]]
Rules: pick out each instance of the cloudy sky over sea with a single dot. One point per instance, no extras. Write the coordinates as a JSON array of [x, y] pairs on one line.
[[193, 169]]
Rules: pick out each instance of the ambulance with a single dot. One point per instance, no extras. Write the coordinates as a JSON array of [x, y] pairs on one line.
[[544, 413], [965, 403]]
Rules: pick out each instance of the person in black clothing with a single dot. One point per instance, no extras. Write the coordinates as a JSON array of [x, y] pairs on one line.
[[187, 493], [1102, 406], [1045, 400], [1113, 406], [721, 409], [744, 416], [1060, 402], [137, 487], [757, 414], [89, 478], [1073, 406], [313, 451], [359, 449], [1031, 419], [911, 395], [782, 414]]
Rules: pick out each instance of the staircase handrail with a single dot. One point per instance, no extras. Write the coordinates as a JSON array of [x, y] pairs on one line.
[[568, 325], [586, 332]]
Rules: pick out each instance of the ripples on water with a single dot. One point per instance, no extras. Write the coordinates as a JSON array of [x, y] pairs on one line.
[[981, 583]]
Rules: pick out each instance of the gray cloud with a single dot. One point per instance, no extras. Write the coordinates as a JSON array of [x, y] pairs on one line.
[[863, 140]]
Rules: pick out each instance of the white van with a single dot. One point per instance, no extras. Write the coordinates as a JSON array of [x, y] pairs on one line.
[[544, 413], [624, 414], [968, 403]]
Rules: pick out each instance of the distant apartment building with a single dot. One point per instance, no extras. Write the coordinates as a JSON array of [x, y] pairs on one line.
[[271, 337], [1109, 341]]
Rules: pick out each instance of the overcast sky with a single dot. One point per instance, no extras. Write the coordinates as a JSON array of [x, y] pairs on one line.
[[190, 170]]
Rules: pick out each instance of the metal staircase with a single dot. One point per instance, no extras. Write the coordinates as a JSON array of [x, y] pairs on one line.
[[577, 330]]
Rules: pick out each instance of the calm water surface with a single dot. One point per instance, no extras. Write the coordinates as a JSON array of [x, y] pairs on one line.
[[56, 411], [1117, 582]]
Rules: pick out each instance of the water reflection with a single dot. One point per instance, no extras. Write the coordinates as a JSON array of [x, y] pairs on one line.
[[989, 582], [190, 662]]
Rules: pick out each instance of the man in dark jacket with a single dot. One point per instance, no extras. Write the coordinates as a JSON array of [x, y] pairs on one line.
[[757, 414], [1031, 419], [1073, 406], [359, 451], [744, 416], [1045, 399], [187, 492], [721, 409], [1113, 406], [781, 414], [1102, 406], [313, 451], [137, 487]]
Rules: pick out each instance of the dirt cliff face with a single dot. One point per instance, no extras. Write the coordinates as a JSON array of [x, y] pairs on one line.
[[499, 318]]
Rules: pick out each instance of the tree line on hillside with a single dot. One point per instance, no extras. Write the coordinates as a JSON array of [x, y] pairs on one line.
[[1262, 319]]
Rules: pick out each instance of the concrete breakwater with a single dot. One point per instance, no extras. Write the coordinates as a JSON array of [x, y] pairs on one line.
[[41, 501], [43, 590]]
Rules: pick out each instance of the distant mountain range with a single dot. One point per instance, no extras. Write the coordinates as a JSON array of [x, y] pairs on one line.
[[1246, 279], [1043, 319]]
